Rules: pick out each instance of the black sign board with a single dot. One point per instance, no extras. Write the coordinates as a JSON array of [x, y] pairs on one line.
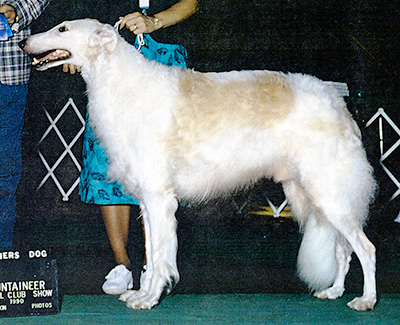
[[28, 283]]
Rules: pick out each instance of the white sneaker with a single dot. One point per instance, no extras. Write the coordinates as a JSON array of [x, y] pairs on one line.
[[118, 281]]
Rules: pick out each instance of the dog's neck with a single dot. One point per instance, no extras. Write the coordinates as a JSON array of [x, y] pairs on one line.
[[108, 71]]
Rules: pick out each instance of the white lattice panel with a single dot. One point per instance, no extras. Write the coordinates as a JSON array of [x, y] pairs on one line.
[[381, 116], [65, 192]]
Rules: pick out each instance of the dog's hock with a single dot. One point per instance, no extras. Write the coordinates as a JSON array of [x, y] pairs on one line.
[[105, 38]]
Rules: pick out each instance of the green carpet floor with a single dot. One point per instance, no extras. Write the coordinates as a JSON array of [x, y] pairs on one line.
[[218, 309]]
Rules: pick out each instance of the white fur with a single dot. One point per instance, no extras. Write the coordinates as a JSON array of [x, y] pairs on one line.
[[179, 134], [317, 263]]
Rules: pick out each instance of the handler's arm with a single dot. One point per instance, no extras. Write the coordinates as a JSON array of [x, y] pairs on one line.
[[177, 13], [182, 10]]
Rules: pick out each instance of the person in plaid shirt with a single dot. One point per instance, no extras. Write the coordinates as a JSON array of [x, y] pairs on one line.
[[14, 76]]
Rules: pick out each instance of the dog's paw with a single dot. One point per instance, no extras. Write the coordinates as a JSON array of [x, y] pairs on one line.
[[147, 301], [139, 299], [153, 289], [330, 293], [362, 303], [127, 295]]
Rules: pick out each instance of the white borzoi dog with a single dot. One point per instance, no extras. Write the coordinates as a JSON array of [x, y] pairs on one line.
[[174, 134]]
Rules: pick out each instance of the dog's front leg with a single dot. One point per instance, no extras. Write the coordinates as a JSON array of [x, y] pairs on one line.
[[161, 242]]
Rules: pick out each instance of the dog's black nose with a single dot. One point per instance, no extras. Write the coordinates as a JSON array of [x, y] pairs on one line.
[[22, 44]]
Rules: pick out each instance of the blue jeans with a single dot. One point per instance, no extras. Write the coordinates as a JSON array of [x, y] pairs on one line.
[[12, 107]]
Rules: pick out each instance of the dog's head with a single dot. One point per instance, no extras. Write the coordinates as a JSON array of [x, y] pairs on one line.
[[74, 42]]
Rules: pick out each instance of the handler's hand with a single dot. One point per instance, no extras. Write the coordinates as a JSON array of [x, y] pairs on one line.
[[70, 68], [10, 13], [138, 23]]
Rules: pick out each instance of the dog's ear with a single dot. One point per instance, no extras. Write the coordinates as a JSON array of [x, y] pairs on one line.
[[105, 37]]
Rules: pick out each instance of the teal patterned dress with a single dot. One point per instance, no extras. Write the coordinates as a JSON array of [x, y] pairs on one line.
[[94, 186]]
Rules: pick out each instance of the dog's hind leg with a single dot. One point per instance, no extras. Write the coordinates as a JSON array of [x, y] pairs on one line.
[[365, 252], [328, 217], [343, 257], [344, 201], [158, 212]]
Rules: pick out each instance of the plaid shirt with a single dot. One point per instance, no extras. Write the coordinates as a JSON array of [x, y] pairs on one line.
[[14, 63]]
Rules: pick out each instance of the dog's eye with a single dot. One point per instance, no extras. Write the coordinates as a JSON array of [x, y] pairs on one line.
[[62, 29]]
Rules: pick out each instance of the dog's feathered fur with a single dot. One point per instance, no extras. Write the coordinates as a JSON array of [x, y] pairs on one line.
[[179, 134]]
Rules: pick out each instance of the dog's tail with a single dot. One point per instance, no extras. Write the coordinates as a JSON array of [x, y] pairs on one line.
[[316, 262]]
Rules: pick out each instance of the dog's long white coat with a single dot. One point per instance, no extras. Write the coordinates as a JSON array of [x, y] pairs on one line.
[[179, 134]]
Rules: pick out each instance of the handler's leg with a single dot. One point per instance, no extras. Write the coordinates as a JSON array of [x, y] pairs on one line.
[[12, 107], [116, 221]]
